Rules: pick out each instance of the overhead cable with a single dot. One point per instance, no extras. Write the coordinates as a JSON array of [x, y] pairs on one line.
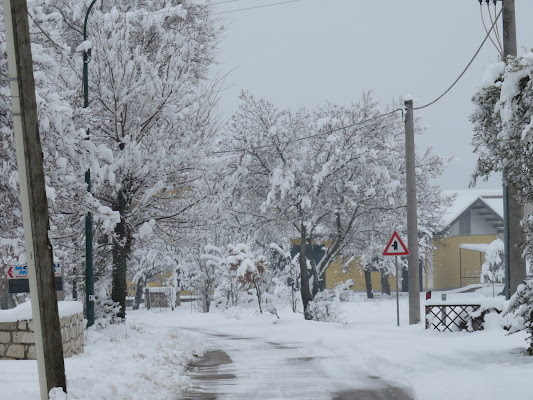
[[466, 68]]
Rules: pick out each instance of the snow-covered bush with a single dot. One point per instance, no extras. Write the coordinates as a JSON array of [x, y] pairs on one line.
[[287, 275], [322, 308], [521, 305], [105, 309], [325, 306], [493, 269]]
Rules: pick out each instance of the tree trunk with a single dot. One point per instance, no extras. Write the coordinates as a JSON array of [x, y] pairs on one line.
[[313, 268], [368, 284], [121, 249], [304, 275], [385, 285], [206, 300], [147, 300], [259, 295], [138, 293], [119, 285]]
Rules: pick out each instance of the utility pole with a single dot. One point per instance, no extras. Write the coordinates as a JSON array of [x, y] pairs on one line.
[[515, 265], [412, 226], [89, 267], [35, 217]]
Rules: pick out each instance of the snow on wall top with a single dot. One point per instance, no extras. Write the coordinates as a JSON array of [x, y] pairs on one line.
[[481, 247], [22, 312], [493, 198]]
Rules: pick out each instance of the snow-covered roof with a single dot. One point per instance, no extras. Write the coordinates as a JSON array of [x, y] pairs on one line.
[[496, 204], [493, 198]]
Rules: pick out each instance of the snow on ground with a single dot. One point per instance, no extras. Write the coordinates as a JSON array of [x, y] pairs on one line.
[[130, 361], [145, 359]]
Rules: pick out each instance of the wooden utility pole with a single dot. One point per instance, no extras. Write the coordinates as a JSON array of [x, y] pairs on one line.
[[515, 264], [35, 217], [412, 226]]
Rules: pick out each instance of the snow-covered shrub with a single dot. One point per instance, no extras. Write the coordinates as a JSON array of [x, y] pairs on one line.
[[322, 308], [342, 290], [105, 309], [326, 304], [248, 268], [492, 269], [521, 305]]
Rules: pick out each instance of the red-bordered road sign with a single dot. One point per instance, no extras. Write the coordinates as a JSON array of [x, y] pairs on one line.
[[395, 247]]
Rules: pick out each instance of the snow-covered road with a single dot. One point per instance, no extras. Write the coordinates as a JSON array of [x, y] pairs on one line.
[[367, 357], [251, 367]]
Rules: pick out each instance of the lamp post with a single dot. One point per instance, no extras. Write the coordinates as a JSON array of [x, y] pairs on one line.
[[89, 268]]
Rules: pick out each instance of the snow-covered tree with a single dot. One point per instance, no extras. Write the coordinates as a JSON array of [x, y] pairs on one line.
[[151, 126], [503, 128], [204, 273], [61, 140], [322, 177], [11, 228]]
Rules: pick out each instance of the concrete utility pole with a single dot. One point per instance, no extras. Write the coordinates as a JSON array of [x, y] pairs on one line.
[[515, 264], [412, 226], [39, 255]]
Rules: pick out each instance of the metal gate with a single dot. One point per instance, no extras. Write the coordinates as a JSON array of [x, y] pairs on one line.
[[470, 262]]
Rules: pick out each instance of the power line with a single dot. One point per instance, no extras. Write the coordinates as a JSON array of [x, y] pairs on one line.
[[329, 132], [254, 7], [498, 46], [386, 114], [169, 12], [466, 68], [224, 2]]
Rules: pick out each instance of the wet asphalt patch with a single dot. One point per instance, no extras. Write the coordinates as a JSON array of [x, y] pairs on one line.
[[207, 373]]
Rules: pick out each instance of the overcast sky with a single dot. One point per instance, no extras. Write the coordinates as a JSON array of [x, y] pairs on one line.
[[311, 51]]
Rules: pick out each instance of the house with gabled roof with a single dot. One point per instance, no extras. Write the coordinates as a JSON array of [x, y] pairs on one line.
[[474, 220]]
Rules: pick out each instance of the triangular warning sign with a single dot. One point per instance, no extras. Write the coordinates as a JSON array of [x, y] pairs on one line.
[[395, 247]]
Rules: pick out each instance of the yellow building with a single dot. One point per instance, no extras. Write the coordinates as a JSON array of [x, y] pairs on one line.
[[339, 272], [474, 220]]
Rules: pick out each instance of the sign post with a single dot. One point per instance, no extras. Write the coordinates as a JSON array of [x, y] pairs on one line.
[[396, 248]]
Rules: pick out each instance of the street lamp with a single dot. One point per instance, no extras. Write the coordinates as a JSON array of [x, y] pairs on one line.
[[89, 268]]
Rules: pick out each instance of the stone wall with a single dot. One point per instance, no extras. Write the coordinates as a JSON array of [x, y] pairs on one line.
[[17, 339]]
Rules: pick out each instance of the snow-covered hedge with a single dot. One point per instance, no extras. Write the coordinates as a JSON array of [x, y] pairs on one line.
[[521, 305]]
